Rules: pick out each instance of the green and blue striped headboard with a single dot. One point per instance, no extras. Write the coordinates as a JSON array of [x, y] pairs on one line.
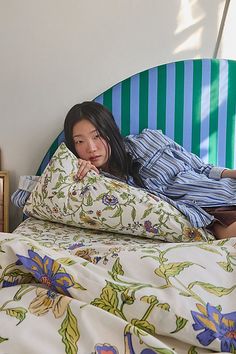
[[191, 101]]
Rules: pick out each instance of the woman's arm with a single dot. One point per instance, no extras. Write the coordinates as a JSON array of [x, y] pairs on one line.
[[146, 146], [228, 173]]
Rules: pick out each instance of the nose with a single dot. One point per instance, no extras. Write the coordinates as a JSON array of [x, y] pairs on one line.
[[91, 146]]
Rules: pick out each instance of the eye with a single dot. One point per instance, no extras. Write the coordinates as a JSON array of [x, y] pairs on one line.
[[97, 135], [78, 141]]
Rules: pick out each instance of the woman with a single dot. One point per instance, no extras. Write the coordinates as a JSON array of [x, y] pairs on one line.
[[205, 194]]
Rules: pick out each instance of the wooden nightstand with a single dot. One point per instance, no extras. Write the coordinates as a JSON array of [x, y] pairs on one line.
[[4, 201]]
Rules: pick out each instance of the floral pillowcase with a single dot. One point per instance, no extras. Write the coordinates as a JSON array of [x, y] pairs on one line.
[[98, 202]]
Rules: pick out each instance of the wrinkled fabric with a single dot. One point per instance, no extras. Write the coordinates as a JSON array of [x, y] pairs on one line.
[[180, 177]]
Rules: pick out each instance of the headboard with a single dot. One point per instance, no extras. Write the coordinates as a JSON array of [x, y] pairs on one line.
[[191, 101]]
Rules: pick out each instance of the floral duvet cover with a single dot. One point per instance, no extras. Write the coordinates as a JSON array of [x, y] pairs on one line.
[[68, 290]]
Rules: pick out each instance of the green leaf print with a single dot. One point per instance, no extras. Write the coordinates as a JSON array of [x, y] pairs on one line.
[[222, 242], [117, 267], [89, 200], [60, 181], [74, 199], [165, 306], [210, 288], [151, 299], [171, 269], [144, 325], [208, 249], [70, 333], [192, 350], [180, 323], [124, 195], [24, 288], [17, 312], [117, 287], [3, 339], [66, 261], [100, 196], [127, 298], [226, 266], [60, 194], [164, 351], [146, 213], [108, 300], [118, 212], [133, 214], [78, 286]]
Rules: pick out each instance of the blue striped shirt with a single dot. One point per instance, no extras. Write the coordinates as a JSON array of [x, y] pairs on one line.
[[180, 177]]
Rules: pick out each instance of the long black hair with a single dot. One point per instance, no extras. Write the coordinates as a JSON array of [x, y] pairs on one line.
[[120, 163]]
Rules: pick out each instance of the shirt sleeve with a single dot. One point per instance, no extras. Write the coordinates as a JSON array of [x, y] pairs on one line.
[[25, 187], [27, 183], [150, 143], [198, 165]]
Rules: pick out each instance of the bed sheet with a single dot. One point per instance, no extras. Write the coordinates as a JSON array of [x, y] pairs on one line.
[[70, 290]]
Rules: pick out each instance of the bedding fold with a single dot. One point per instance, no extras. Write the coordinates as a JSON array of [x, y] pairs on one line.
[[107, 293]]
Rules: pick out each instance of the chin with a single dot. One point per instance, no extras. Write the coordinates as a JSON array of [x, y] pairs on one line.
[[98, 165]]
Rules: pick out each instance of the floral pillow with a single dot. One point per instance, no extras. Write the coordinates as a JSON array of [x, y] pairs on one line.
[[98, 202]]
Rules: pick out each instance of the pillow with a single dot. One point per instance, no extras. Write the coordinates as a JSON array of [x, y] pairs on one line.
[[99, 202]]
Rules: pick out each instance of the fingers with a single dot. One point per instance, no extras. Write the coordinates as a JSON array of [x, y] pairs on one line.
[[84, 167]]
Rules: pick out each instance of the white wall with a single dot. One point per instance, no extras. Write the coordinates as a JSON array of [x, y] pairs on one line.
[[227, 48], [55, 53]]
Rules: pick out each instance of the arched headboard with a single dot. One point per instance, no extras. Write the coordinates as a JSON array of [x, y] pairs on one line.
[[191, 101]]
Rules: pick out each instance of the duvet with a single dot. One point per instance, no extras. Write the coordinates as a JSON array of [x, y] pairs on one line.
[[70, 290]]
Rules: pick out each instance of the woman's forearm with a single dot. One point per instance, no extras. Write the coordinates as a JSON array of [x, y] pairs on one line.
[[228, 173]]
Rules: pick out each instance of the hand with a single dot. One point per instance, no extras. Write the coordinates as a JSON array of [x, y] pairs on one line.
[[84, 167], [228, 174]]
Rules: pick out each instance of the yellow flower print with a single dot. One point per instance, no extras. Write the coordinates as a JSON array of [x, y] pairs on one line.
[[46, 300], [192, 233], [86, 253], [87, 220]]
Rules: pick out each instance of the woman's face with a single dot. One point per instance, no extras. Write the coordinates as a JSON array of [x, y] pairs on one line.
[[89, 145]]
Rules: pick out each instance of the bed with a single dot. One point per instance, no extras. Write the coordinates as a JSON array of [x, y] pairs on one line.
[[127, 273]]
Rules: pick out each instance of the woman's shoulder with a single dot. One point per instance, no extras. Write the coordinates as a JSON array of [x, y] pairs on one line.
[[143, 145], [147, 137]]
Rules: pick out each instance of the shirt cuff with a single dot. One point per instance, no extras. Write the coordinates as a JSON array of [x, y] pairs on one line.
[[215, 173], [27, 183]]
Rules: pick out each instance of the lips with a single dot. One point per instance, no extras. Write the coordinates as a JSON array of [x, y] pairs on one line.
[[94, 158]]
